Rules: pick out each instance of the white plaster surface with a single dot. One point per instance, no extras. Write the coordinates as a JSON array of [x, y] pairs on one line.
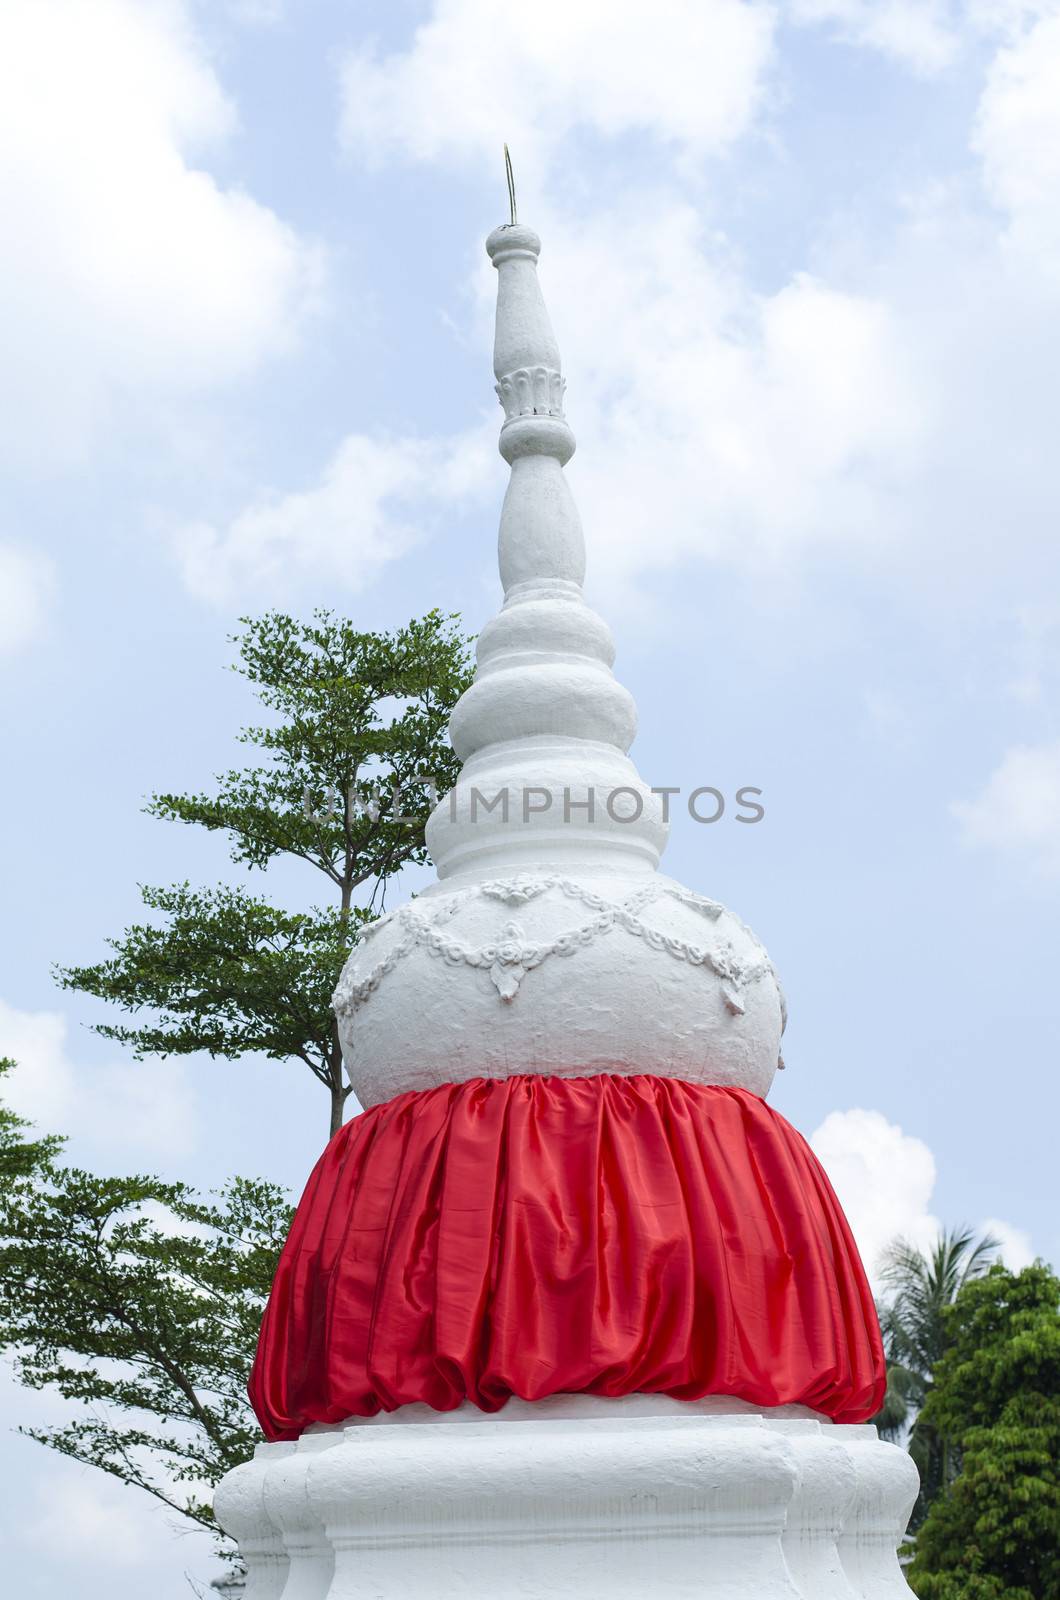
[[570, 972], [550, 943], [607, 1500]]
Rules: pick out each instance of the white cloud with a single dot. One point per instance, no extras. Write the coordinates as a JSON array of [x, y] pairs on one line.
[[1018, 810], [920, 33], [86, 1519], [127, 1106], [717, 421], [1005, 19], [1014, 1246], [61, 1518], [1017, 135], [127, 269], [373, 501], [83, 1516], [477, 73], [860, 410], [25, 584], [714, 421], [925, 35], [885, 1179]]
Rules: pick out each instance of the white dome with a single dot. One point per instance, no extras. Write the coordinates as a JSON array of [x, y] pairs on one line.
[[555, 972]]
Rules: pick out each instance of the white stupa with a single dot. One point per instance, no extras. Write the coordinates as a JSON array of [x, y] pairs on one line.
[[552, 945]]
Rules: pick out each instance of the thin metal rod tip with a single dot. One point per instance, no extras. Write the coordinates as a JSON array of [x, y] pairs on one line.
[[511, 185]]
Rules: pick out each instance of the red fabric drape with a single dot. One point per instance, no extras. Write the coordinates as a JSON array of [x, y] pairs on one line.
[[537, 1235]]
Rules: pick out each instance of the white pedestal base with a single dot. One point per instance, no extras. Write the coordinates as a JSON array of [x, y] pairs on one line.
[[576, 1496]]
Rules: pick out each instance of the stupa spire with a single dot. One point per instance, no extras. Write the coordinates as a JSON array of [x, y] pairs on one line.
[[545, 728], [548, 845], [541, 532]]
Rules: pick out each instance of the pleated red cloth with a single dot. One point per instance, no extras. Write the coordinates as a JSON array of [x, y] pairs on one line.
[[538, 1235]]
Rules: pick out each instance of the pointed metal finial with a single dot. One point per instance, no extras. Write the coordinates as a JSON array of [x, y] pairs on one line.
[[511, 185]]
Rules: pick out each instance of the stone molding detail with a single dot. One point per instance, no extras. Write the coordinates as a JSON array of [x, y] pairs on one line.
[[609, 1503], [532, 392], [512, 955]]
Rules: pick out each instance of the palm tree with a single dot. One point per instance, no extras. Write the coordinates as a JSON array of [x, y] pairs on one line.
[[918, 1287]]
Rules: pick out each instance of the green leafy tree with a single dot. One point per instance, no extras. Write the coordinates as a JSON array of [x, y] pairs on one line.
[[919, 1287], [139, 1301], [350, 764], [994, 1533]]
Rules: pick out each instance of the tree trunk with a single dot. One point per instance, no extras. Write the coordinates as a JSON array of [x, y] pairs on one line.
[[339, 1090], [338, 1105]]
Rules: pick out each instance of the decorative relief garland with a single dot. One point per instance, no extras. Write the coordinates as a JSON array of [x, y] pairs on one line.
[[512, 955]]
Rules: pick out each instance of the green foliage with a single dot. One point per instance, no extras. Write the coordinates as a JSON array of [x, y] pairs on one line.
[[994, 1534], [20, 1157], [140, 1301], [356, 753], [971, 1586], [919, 1289], [227, 973], [357, 714]]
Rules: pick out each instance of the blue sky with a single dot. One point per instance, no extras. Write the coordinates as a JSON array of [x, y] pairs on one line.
[[804, 265]]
